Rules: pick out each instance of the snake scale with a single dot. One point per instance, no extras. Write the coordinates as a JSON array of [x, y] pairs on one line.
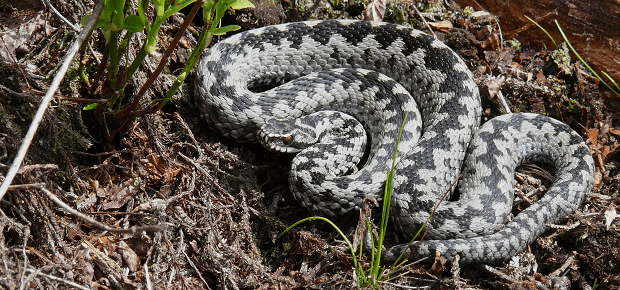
[[323, 80]]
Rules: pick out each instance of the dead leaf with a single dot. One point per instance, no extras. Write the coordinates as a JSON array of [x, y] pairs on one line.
[[443, 26], [439, 265], [21, 38], [84, 262], [157, 162], [184, 42], [542, 79], [614, 131], [481, 16], [610, 216], [362, 229], [493, 85], [598, 179], [593, 136], [484, 32], [159, 170], [131, 259], [606, 151], [375, 11], [118, 196], [493, 42], [89, 198]]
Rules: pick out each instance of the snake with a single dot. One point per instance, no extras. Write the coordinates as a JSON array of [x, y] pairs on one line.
[[354, 99]]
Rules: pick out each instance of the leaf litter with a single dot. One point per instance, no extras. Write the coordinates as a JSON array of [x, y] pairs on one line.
[[223, 204]]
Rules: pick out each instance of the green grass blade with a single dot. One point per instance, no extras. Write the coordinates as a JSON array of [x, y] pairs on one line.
[[582, 61], [545, 31], [611, 80], [398, 263], [385, 213], [359, 271]]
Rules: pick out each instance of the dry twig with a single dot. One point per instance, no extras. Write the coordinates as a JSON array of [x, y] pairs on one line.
[[89, 220], [38, 117], [54, 278]]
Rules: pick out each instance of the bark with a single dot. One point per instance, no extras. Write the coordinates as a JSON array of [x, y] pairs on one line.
[[592, 27]]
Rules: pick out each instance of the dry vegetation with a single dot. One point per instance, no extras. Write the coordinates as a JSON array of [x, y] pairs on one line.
[[223, 204]]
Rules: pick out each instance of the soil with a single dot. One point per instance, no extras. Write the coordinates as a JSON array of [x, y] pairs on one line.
[[223, 204]]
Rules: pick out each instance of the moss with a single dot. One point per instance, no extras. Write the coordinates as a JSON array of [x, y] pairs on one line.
[[398, 16], [402, 12], [515, 44], [561, 59], [432, 6]]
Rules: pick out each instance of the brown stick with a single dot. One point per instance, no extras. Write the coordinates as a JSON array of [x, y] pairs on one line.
[[87, 219]]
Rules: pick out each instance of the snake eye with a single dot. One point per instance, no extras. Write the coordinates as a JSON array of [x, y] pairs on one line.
[[287, 140]]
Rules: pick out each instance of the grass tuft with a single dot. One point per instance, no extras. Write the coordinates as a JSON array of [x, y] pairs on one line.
[[615, 90], [377, 273]]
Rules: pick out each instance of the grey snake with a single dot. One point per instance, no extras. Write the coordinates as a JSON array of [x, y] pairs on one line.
[[328, 80]]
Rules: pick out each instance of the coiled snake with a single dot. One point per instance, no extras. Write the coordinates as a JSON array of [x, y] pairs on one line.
[[368, 75]]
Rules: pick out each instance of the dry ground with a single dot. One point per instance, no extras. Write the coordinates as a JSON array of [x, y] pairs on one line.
[[223, 204]]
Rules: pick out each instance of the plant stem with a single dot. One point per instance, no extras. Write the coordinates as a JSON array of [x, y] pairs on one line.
[[114, 58], [162, 64], [204, 40]]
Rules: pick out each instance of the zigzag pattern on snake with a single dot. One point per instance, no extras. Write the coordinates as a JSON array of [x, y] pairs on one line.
[[373, 73]]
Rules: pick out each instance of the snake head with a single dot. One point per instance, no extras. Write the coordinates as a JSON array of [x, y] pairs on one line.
[[285, 136]]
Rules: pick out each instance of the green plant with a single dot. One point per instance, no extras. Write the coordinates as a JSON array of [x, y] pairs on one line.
[[359, 271], [118, 25], [514, 43], [377, 272], [468, 10], [615, 90], [374, 274]]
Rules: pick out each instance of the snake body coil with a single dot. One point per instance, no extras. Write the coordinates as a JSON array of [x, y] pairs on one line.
[[374, 73]]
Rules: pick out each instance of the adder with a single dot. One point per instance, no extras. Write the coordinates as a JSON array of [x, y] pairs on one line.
[[337, 87]]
